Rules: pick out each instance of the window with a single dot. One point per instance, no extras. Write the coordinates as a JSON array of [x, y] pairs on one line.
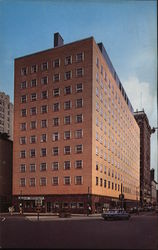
[[68, 60], [79, 118], [32, 182], [22, 168], [67, 105], [23, 126], [33, 111], [79, 149], [79, 87], [23, 85], [105, 183], [23, 99], [67, 90], [80, 205], [97, 166], [44, 124], [44, 109], [33, 124], [56, 121], [56, 77], [34, 68], [67, 180], [44, 66], [55, 151], [56, 92], [79, 103], [56, 107], [96, 181], [33, 97], [33, 83], [97, 150], [32, 167], [79, 164], [43, 138], [67, 165], [78, 180], [108, 184], [32, 139], [23, 140], [32, 153], [56, 63], [43, 152], [24, 71], [67, 150], [43, 166], [55, 166], [43, 181], [55, 180], [97, 62], [22, 182], [55, 136], [80, 57], [22, 154], [44, 94], [67, 120], [102, 69], [67, 135], [79, 72], [78, 133], [44, 80], [23, 112], [68, 75]]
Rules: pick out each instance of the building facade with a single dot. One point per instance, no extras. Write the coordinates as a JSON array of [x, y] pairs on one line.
[[6, 164], [76, 139], [145, 133], [6, 115]]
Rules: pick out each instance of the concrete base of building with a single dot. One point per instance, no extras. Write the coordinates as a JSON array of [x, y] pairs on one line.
[[74, 203]]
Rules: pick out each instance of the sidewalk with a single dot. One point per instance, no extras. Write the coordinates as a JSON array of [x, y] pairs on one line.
[[48, 214]]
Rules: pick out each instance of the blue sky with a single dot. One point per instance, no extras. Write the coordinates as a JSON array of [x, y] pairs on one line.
[[127, 29]]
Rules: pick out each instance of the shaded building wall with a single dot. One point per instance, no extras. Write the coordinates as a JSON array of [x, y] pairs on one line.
[[6, 161], [145, 132]]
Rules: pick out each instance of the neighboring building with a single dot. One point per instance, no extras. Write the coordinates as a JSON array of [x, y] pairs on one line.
[[6, 115], [6, 162], [145, 133], [153, 187], [76, 139]]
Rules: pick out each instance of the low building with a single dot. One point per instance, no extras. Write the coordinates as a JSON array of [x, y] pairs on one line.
[[6, 161]]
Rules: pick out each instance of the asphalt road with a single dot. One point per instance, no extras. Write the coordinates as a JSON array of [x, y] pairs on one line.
[[140, 232]]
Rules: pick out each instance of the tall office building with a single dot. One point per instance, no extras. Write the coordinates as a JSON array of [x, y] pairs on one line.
[[145, 133], [76, 140], [6, 115]]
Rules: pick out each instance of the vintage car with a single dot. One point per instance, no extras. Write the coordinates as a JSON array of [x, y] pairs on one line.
[[115, 214]]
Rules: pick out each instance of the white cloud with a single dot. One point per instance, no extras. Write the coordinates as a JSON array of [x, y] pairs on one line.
[[142, 97]]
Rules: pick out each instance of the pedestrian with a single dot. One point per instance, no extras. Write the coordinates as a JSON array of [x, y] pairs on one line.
[[88, 210]]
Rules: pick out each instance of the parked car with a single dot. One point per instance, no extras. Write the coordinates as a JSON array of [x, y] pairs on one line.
[[114, 214]]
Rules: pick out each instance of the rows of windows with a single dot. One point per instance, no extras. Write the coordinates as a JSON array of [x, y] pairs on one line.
[[55, 122], [67, 180], [56, 107], [56, 93], [56, 78], [79, 57], [78, 149], [55, 137], [55, 166], [107, 184]]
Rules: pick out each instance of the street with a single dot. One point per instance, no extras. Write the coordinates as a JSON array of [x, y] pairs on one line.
[[140, 232]]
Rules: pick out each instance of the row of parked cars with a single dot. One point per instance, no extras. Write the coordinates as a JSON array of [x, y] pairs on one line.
[[121, 214]]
